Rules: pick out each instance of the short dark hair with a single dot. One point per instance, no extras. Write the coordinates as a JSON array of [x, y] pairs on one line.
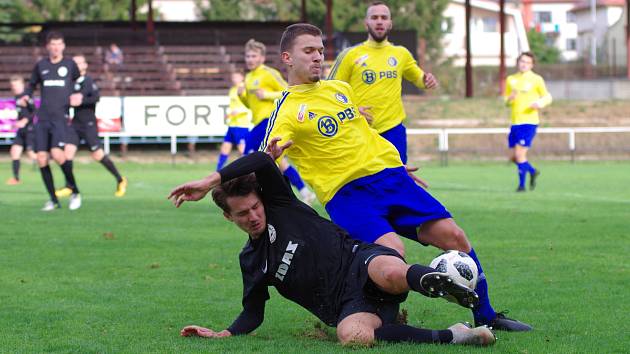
[[237, 187], [295, 30], [53, 35], [527, 54]]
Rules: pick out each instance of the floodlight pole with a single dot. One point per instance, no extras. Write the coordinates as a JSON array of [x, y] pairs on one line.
[[132, 15], [330, 51], [150, 24], [502, 50], [469, 77]]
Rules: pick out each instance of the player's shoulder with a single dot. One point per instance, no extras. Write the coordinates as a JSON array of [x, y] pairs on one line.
[[536, 76], [336, 84]]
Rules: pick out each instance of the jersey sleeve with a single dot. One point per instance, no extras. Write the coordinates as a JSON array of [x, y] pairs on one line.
[[545, 97], [33, 82], [255, 294], [279, 125], [507, 91], [342, 68], [90, 92], [411, 70], [74, 71], [277, 83], [274, 187]]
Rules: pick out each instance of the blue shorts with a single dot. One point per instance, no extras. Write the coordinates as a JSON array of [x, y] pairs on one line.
[[256, 136], [522, 134], [398, 136], [236, 135], [388, 201]]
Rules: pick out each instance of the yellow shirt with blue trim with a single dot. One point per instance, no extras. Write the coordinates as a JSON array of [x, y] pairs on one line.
[[375, 72], [271, 82], [332, 142], [238, 115], [529, 87]]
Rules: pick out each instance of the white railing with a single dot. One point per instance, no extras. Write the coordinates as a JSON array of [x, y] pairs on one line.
[[442, 133]]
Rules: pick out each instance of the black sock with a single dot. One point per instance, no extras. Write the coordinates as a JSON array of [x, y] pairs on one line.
[[71, 164], [414, 274], [405, 333], [16, 169], [66, 167], [48, 182], [109, 165]]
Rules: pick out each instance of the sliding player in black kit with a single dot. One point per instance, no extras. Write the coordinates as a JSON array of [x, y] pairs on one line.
[[84, 127], [56, 75], [346, 283]]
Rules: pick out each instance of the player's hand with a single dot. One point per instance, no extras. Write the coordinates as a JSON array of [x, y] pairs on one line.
[[21, 123], [534, 105], [274, 150], [203, 332], [430, 82], [240, 90], [260, 93], [23, 101], [418, 180], [193, 191], [365, 111], [76, 99]]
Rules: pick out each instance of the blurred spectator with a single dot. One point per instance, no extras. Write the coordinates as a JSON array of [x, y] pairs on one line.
[[114, 55]]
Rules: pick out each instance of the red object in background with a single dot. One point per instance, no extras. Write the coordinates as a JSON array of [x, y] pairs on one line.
[[109, 125]]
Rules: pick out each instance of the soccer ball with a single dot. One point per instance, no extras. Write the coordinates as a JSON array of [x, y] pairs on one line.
[[459, 266]]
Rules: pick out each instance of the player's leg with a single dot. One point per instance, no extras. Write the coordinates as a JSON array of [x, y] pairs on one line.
[[72, 141], [398, 137], [226, 148], [42, 141], [58, 133], [15, 153]]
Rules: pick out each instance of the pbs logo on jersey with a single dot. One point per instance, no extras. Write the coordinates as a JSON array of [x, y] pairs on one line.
[[460, 266]]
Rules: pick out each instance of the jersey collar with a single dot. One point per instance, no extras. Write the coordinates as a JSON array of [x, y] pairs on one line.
[[374, 44], [305, 87]]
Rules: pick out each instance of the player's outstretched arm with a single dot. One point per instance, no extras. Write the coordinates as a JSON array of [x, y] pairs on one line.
[[203, 332], [195, 190], [418, 180]]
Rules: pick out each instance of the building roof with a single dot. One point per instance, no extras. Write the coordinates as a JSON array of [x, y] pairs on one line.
[[586, 5]]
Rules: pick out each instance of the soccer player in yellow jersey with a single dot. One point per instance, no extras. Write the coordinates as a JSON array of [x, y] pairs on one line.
[[525, 93], [375, 70], [355, 172], [263, 85], [238, 120]]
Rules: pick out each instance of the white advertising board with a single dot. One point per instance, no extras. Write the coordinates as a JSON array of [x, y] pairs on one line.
[[175, 115]]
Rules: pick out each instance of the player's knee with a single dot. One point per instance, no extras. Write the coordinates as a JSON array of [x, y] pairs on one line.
[[458, 240], [396, 278], [355, 335]]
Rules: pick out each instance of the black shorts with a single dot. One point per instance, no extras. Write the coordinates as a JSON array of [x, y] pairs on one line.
[[361, 294], [49, 134], [87, 132], [25, 137]]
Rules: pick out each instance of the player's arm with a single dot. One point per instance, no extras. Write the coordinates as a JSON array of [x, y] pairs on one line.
[[90, 92], [30, 87], [508, 93], [545, 97], [342, 68], [277, 84], [414, 74]]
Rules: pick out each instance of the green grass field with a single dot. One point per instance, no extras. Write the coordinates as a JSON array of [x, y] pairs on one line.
[[124, 275]]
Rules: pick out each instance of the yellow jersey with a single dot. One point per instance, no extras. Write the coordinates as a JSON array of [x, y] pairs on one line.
[[528, 88], [375, 72], [332, 142], [237, 115], [271, 82]]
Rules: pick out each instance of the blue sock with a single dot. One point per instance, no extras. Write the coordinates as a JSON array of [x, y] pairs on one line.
[[294, 177], [484, 312], [529, 168], [222, 160], [522, 174]]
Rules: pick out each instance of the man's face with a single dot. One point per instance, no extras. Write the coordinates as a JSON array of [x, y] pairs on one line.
[[17, 87], [81, 63], [305, 58], [55, 47], [237, 79], [248, 213], [525, 64], [378, 22], [253, 59]]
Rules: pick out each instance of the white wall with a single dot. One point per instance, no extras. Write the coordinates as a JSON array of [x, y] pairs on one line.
[[559, 30]]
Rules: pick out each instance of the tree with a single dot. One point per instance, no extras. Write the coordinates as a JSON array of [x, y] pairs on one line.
[[545, 53], [67, 10]]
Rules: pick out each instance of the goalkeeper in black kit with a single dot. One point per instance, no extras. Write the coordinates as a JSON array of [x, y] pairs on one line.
[[354, 286]]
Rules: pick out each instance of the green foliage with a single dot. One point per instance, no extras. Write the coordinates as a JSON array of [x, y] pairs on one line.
[[545, 53], [223, 10], [67, 10]]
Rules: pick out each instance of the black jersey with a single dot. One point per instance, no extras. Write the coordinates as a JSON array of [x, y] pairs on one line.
[[304, 256], [86, 111], [57, 83], [27, 112]]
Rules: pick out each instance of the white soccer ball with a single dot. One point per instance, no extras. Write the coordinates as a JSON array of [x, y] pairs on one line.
[[460, 266]]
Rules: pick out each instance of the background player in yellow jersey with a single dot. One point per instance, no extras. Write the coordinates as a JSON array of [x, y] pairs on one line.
[[238, 120], [355, 172], [525, 94], [375, 70], [263, 85]]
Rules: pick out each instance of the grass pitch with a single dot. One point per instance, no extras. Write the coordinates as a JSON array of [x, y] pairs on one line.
[[124, 275]]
